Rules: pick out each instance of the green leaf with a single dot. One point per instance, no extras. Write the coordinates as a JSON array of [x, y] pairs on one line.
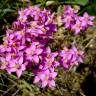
[[91, 10], [94, 1], [49, 3], [82, 2], [40, 1], [7, 11]]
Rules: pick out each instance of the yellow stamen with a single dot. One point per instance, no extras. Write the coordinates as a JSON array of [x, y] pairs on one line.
[[50, 62], [16, 66], [78, 25], [13, 54], [4, 43], [48, 55], [14, 44], [44, 30], [77, 52], [46, 77], [4, 64], [66, 49], [22, 32], [65, 61], [33, 24]]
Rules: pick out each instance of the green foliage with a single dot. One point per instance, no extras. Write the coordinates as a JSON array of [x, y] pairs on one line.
[[82, 2]]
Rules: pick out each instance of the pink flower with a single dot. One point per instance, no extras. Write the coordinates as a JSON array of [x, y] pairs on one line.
[[16, 66], [87, 20], [69, 57], [77, 27], [32, 53], [3, 63], [46, 78], [74, 22], [49, 59]]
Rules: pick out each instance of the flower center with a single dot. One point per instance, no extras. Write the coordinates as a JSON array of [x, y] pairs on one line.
[[17, 66], [21, 32], [77, 52], [50, 62], [13, 54], [4, 43], [65, 61], [14, 44], [48, 55], [43, 29], [46, 77]]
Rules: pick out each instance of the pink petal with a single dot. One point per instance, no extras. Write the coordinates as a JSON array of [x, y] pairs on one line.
[[35, 59], [8, 49], [36, 79], [20, 61], [33, 47], [28, 50], [51, 83], [86, 14], [12, 63], [90, 23], [3, 67], [29, 58], [2, 59], [56, 63], [19, 73], [74, 48], [35, 43], [21, 47], [80, 60], [23, 67], [44, 83], [8, 57], [2, 48], [47, 72], [84, 23], [38, 51], [39, 31], [12, 69], [65, 65], [54, 54], [48, 50], [41, 76], [77, 30], [54, 74], [9, 72], [92, 17]]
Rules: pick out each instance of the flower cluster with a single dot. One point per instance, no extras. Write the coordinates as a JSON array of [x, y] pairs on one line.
[[38, 22], [74, 22], [25, 46], [69, 57], [46, 74], [46, 78]]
